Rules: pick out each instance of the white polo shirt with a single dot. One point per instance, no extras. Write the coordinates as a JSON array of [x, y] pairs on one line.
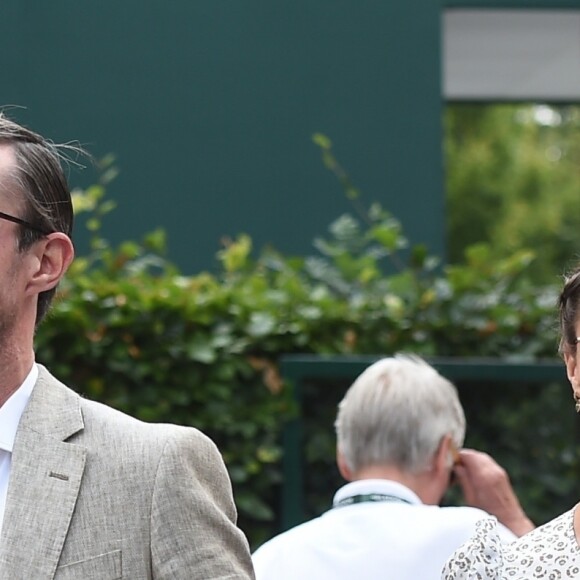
[[376, 529], [10, 414]]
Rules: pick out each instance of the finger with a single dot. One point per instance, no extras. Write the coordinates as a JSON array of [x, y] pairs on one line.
[[463, 478], [461, 471], [469, 461], [471, 455], [477, 462], [464, 481]]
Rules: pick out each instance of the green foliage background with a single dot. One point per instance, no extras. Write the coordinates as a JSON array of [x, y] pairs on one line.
[[513, 182], [132, 331]]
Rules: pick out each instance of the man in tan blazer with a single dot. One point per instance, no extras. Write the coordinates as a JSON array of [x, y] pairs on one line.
[[87, 492]]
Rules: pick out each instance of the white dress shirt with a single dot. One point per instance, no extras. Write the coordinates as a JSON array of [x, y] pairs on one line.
[[10, 414], [395, 537]]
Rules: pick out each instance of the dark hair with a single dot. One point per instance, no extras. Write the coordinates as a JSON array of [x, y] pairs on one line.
[[569, 309], [40, 178]]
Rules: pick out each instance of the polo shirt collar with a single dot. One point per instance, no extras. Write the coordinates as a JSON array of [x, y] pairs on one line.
[[378, 486], [11, 411]]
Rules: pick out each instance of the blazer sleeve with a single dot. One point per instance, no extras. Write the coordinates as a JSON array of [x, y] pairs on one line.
[[193, 516]]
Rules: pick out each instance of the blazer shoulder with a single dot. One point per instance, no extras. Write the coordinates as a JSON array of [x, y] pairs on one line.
[[103, 423], [100, 415]]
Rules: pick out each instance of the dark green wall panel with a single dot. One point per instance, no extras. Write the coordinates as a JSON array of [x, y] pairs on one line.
[[510, 4], [209, 107]]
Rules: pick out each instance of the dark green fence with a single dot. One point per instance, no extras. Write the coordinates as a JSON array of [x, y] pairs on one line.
[[338, 372]]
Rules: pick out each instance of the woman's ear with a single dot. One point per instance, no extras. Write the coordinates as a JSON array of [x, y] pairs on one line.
[[572, 369], [54, 254]]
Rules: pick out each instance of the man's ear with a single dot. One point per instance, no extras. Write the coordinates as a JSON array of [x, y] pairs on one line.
[[343, 467], [441, 459], [54, 254]]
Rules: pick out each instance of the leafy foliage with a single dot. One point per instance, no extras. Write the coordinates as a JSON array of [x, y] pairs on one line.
[[132, 331], [512, 182]]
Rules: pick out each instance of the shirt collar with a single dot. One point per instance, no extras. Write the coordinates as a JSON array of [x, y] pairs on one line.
[[11, 411], [378, 486]]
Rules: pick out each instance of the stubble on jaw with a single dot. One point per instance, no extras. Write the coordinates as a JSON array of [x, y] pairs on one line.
[[12, 350]]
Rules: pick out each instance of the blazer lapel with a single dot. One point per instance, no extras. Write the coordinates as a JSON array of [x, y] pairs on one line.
[[45, 478]]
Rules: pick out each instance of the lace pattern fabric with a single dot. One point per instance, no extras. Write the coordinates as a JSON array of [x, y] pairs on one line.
[[550, 552]]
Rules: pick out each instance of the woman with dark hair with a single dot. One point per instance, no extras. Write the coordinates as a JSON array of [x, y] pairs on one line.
[[552, 550]]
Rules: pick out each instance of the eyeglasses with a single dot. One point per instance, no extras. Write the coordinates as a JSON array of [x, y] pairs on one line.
[[11, 218]]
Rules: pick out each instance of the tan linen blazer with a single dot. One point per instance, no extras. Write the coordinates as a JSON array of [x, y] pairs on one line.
[[96, 494]]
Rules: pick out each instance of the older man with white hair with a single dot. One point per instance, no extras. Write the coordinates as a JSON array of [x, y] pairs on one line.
[[400, 429]]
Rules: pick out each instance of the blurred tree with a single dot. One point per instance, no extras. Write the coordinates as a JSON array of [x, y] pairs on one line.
[[513, 182]]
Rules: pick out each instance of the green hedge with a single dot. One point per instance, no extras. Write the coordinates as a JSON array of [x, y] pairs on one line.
[[129, 329]]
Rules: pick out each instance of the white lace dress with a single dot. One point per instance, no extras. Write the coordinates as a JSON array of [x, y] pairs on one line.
[[549, 552]]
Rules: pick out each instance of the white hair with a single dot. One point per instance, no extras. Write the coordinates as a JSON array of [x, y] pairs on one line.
[[396, 413]]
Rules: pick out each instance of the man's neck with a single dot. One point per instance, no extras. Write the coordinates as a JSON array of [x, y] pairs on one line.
[[14, 371], [420, 483]]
